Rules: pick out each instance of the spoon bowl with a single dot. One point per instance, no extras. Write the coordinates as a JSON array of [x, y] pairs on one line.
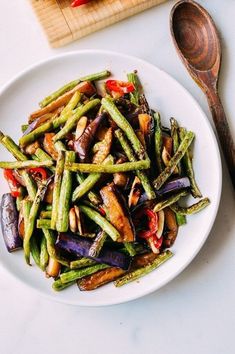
[[196, 36]]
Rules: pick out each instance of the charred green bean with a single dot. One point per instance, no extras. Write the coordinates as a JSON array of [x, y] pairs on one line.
[[140, 272], [192, 209], [166, 173], [189, 168]]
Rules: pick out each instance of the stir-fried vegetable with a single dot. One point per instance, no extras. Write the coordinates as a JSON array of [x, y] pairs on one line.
[[97, 183], [119, 215]]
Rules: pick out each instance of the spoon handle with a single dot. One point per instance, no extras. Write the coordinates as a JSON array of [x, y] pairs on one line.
[[224, 133]]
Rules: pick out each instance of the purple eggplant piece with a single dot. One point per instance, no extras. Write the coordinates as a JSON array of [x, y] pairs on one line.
[[174, 185], [83, 143], [9, 223], [35, 124], [31, 127], [170, 187], [80, 246]]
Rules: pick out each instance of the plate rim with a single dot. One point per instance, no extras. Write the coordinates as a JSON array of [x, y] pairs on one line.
[[134, 296]]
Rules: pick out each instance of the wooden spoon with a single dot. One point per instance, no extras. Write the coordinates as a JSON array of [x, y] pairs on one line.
[[197, 43]]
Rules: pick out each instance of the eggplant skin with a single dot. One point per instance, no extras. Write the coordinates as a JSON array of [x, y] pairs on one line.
[[80, 246], [9, 223], [83, 143], [174, 185]]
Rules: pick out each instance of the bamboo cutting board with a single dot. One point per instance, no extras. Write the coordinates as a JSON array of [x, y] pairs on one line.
[[63, 24]]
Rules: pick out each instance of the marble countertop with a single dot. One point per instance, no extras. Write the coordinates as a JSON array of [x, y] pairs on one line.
[[194, 313]]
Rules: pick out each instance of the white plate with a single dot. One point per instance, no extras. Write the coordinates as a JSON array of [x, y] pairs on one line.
[[20, 97]]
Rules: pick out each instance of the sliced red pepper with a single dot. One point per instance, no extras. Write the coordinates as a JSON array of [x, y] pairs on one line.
[[152, 222], [157, 241], [12, 182], [119, 86], [39, 171], [102, 211], [76, 3]]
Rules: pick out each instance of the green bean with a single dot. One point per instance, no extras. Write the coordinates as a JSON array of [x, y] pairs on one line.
[[180, 219], [53, 96], [32, 219], [69, 86], [26, 207], [91, 205], [48, 207], [158, 141], [34, 250], [43, 223], [97, 245], [89, 182], [93, 197], [101, 221], [57, 285], [134, 96], [166, 173], [57, 187], [62, 223], [96, 76], [42, 156], [187, 162], [72, 121], [175, 138], [130, 248], [80, 273], [192, 209], [122, 167], [35, 134], [44, 257], [60, 146], [50, 241], [14, 149], [25, 164], [45, 214], [82, 263], [171, 200], [136, 274], [20, 198], [68, 110], [29, 183], [131, 157], [139, 248], [50, 238], [34, 157], [122, 123]]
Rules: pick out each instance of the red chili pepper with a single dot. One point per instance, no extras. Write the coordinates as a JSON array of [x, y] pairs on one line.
[[157, 241], [152, 222], [12, 182], [39, 171], [119, 86], [76, 3], [102, 211]]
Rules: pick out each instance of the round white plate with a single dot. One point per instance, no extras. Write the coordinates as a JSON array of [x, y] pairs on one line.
[[19, 97]]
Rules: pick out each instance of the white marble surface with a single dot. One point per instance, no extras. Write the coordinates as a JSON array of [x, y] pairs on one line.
[[193, 314]]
